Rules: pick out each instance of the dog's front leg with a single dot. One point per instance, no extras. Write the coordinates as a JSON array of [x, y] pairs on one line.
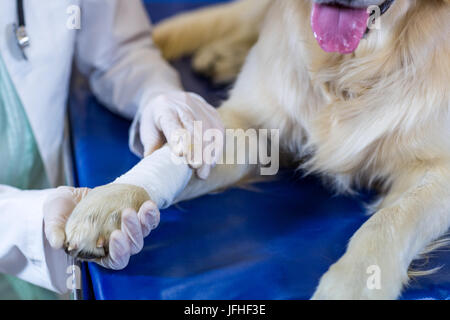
[[162, 178], [413, 214]]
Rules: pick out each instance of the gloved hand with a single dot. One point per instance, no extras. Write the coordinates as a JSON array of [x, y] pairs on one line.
[[164, 116], [122, 243]]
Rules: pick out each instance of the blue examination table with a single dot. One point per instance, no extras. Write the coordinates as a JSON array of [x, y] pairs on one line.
[[270, 243]]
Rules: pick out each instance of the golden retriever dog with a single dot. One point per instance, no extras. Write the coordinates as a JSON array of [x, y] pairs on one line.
[[364, 106]]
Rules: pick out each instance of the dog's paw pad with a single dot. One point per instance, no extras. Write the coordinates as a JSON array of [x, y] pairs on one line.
[[97, 216]]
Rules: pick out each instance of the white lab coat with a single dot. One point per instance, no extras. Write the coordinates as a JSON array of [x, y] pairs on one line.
[[114, 50]]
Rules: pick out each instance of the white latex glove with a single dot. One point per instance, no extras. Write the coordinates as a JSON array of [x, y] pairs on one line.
[[122, 243], [165, 115]]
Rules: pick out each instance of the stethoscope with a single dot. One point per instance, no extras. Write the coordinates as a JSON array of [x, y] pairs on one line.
[[20, 35]]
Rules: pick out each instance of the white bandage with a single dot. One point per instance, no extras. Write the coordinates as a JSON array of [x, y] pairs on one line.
[[159, 175]]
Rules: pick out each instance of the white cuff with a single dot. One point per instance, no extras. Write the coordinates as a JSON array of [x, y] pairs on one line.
[[25, 252]]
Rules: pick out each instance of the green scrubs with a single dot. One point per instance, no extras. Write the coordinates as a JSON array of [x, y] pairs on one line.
[[21, 166], [20, 161]]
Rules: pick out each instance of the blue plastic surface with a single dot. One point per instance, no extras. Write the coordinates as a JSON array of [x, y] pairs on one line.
[[239, 244]]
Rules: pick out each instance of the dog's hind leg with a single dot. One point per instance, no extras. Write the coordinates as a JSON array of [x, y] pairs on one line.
[[222, 59], [414, 213], [188, 32], [218, 37]]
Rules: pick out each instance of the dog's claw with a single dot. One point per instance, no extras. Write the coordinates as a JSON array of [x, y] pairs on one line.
[[100, 242]]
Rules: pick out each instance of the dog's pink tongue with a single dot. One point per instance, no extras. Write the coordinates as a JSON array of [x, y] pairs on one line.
[[338, 29]]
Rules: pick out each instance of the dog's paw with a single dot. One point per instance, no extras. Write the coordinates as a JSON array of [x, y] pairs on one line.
[[94, 219], [166, 37], [221, 61], [355, 280], [338, 284]]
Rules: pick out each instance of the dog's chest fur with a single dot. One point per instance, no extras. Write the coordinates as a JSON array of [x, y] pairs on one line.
[[358, 117]]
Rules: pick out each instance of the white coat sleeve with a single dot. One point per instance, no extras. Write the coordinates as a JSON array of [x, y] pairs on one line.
[[24, 250], [115, 51]]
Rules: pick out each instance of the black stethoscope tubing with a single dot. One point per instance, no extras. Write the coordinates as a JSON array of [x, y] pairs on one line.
[[19, 29], [20, 14]]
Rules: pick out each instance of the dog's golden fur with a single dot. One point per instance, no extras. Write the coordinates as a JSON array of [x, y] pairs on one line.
[[381, 114]]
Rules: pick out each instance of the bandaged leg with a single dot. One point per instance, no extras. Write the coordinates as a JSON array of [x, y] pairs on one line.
[[161, 175]]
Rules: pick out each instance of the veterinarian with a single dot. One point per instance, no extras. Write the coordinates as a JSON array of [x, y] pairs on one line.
[[112, 47]]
